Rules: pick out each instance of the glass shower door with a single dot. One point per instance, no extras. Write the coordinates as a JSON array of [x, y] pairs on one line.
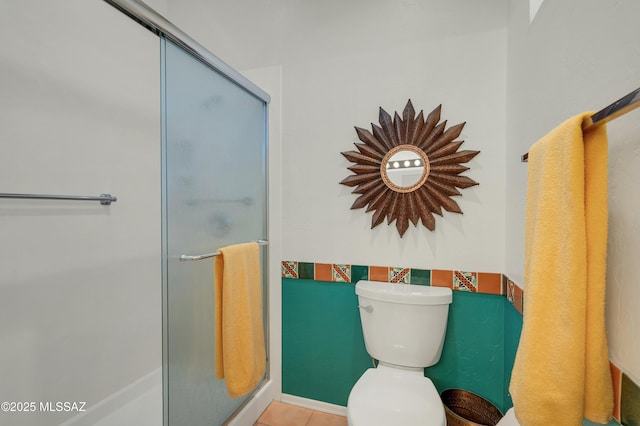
[[214, 176]]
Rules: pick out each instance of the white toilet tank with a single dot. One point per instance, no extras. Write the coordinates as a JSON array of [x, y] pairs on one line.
[[403, 324]]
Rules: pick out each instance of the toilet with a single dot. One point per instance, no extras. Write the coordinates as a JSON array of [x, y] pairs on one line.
[[404, 327]]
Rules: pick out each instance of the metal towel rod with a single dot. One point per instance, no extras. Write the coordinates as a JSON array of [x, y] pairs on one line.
[[185, 258], [105, 199], [611, 112]]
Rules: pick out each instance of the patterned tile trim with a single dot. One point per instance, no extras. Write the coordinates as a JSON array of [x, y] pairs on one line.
[[341, 273], [476, 282], [289, 269], [465, 281], [515, 295], [400, 275]]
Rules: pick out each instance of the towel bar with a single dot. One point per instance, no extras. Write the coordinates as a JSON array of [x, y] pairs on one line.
[[611, 112], [185, 257], [105, 199]]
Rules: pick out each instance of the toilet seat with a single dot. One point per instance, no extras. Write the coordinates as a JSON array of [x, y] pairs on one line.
[[386, 396]]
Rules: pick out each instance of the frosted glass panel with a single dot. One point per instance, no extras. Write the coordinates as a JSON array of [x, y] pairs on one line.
[[215, 196]]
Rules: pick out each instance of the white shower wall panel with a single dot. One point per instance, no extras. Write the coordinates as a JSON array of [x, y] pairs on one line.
[[80, 283]]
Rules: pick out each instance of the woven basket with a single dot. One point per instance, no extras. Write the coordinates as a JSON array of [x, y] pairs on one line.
[[464, 408]]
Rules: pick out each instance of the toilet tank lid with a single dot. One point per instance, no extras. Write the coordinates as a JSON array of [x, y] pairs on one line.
[[404, 293]]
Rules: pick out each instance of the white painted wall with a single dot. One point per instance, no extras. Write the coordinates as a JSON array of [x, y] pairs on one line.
[[80, 283], [580, 55], [381, 57], [348, 59], [340, 62]]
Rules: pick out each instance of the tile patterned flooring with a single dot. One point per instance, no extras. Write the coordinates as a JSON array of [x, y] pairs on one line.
[[279, 414]]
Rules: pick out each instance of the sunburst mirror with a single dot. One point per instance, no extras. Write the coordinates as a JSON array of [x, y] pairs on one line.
[[408, 168]]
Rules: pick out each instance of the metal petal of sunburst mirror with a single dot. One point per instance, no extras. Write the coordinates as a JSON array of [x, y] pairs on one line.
[[408, 168]]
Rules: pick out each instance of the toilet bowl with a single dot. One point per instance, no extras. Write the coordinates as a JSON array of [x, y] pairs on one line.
[[386, 396], [403, 327]]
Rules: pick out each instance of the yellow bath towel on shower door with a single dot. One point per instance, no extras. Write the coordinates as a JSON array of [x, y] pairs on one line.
[[561, 373], [240, 348]]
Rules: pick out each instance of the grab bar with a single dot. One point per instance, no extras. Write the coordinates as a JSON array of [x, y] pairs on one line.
[[105, 199], [185, 258]]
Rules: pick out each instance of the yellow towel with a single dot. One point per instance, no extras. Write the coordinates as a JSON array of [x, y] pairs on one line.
[[561, 372], [240, 349]]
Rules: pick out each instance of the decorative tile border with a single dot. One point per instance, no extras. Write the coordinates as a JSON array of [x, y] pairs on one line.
[[341, 273], [465, 281], [515, 294], [400, 275], [289, 269], [476, 282]]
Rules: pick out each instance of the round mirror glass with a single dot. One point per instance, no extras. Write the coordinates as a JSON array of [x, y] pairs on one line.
[[405, 168]]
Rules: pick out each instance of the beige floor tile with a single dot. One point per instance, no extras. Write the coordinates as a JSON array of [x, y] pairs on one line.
[[325, 419], [279, 414]]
